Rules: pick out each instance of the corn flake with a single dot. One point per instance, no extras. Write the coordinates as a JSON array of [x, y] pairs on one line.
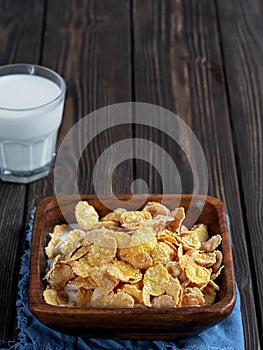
[[174, 289], [156, 279], [125, 272], [133, 291], [212, 243], [195, 273], [50, 296], [156, 208], [132, 259], [179, 216], [134, 219], [103, 251], [189, 240], [60, 275], [50, 248], [163, 301], [209, 294], [192, 297], [201, 231], [83, 297], [104, 280], [162, 253], [86, 215], [71, 243], [146, 296]]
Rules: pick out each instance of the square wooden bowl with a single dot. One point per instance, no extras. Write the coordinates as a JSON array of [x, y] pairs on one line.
[[135, 323]]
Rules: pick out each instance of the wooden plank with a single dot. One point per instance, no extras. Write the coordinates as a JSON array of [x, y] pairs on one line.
[[79, 39], [178, 65], [241, 30], [20, 40], [89, 45]]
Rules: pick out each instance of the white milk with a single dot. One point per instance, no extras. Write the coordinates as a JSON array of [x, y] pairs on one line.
[[30, 115], [26, 91]]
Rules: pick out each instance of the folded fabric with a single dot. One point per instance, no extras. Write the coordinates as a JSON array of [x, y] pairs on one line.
[[33, 335]]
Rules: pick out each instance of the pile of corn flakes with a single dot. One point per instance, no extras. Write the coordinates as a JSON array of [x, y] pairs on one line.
[[129, 259]]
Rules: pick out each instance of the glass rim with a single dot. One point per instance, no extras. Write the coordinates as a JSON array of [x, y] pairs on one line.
[[46, 69]]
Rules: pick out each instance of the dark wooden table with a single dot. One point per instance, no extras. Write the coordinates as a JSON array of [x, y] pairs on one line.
[[200, 59]]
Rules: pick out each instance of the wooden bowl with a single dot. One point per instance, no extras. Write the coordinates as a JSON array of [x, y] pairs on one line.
[[135, 323]]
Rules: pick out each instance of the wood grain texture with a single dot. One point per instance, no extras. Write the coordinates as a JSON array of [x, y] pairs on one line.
[[242, 52], [85, 43], [200, 59], [11, 238], [20, 41], [21, 26], [178, 64]]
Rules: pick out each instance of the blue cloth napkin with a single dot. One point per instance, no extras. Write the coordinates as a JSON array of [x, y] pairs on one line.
[[33, 335]]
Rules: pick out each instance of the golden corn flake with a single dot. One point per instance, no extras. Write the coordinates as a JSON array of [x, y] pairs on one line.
[[213, 284], [163, 301], [133, 291], [60, 229], [56, 238], [85, 282], [156, 279], [179, 216], [86, 215], [219, 259], [50, 296], [212, 243], [125, 272], [120, 300], [141, 260], [202, 232], [80, 252], [167, 236], [189, 240], [110, 224], [209, 294], [103, 279], [202, 258], [126, 254], [174, 268], [123, 239], [98, 299], [144, 237], [132, 259], [192, 297], [71, 243], [156, 208], [50, 248], [134, 219], [162, 253], [146, 296], [103, 251], [83, 297], [60, 275], [143, 240], [174, 289], [158, 224], [81, 267], [114, 216], [195, 273]]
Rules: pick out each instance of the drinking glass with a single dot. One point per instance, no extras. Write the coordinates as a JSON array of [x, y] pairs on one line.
[[31, 107]]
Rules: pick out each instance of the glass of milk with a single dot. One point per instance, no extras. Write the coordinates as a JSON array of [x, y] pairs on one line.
[[31, 108]]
